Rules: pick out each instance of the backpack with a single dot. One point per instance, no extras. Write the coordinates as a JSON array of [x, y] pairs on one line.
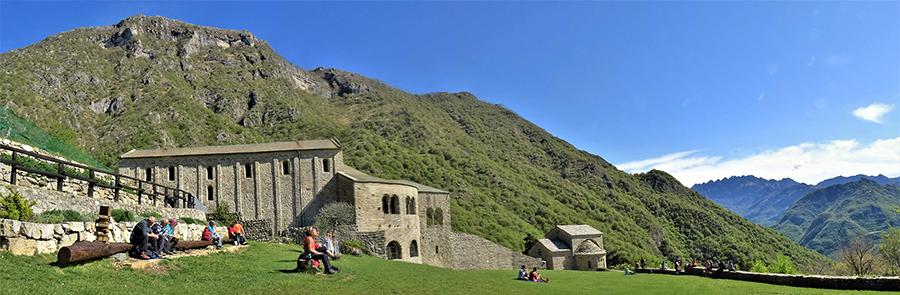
[[207, 235]]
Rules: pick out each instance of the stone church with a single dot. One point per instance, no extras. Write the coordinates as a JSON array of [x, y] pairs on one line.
[[289, 182], [577, 247]]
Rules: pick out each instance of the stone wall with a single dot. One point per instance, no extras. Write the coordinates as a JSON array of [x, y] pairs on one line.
[[257, 230], [806, 281], [289, 199], [468, 251], [51, 199], [26, 238]]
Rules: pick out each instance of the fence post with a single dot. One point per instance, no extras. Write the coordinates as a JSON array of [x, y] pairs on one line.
[[12, 177], [118, 185], [91, 184], [59, 181]]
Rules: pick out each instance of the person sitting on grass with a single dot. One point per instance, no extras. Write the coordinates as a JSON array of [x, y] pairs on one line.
[[209, 234], [536, 277], [523, 274], [311, 250], [328, 243]]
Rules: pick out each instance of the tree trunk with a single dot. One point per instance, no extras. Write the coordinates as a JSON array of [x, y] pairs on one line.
[[82, 250]]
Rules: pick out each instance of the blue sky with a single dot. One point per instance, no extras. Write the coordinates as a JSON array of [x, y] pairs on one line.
[[703, 90]]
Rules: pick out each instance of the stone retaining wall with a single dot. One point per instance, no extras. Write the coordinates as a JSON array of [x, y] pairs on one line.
[[26, 238], [51, 199], [468, 251], [807, 281]]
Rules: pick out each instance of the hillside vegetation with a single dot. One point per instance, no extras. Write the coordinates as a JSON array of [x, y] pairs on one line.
[[152, 82], [824, 218]]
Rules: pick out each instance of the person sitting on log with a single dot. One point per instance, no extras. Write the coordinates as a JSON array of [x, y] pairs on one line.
[[209, 234], [140, 238], [171, 238], [159, 244], [311, 250]]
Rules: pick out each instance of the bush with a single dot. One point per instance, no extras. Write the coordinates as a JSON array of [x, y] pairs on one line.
[[188, 220], [759, 266], [783, 264], [334, 215], [15, 206], [56, 216], [121, 215], [154, 214], [347, 246], [222, 213]]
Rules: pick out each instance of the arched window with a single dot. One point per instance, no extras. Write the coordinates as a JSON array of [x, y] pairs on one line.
[[413, 249], [285, 167], [395, 205], [326, 165], [385, 204], [209, 193], [429, 216], [438, 216], [148, 174], [209, 172], [411, 205], [171, 173], [248, 170], [393, 250]]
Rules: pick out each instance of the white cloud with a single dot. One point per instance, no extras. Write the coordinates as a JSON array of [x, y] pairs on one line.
[[761, 95], [873, 112], [807, 162]]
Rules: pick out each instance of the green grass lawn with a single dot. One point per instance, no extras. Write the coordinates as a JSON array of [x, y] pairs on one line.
[[264, 268]]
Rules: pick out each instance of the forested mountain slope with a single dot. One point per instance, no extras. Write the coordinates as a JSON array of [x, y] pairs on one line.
[[759, 200], [152, 82], [824, 218]]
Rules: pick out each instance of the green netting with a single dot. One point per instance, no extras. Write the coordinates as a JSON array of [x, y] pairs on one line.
[[15, 128]]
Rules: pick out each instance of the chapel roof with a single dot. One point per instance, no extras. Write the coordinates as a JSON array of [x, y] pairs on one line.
[[359, 176], [304, 145], [579, 230]]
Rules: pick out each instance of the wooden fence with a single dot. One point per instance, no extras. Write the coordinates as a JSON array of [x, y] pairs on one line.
[[172, 197]]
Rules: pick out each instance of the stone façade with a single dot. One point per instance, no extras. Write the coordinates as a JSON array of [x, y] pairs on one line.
[[289, 182]]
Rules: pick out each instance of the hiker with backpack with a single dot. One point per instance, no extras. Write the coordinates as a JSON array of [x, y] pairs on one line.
[[209, 234]]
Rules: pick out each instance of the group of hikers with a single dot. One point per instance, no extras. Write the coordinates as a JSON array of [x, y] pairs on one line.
[[151, 239], [532, 276]]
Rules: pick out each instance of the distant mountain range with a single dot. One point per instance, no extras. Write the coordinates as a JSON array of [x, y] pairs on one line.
[[764, 201], [825, 217]]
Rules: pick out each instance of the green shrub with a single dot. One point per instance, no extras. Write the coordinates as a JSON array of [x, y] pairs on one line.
[[56, 216], [154, 214], [334, 215], [15, 206], [783, 264], [347, 246], [759, 266], [122, 215], [90, 217], [222, 213]]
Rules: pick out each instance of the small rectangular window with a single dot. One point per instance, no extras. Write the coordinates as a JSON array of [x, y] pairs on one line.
[[148, 174], [209, 172], [171, 173], [248, 170], [326, 165], [286, 167], [209, 193]]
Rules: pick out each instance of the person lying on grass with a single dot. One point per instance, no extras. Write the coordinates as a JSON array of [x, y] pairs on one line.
[[311, 250]]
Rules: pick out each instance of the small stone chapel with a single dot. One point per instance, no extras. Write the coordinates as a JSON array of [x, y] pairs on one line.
[[573, 247]]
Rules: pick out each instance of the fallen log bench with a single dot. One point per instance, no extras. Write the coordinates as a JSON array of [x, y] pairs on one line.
[[83, 251], [200, 244]]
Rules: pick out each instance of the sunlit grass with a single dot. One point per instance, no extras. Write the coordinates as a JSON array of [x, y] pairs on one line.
[[265, 268]]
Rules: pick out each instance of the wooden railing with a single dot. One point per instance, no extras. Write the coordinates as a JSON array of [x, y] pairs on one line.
[[171, 196]]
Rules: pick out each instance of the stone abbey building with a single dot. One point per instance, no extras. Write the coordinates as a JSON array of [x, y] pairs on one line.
[[289, 182]]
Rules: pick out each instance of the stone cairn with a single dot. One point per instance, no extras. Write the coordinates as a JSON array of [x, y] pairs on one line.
[[103, 224]]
